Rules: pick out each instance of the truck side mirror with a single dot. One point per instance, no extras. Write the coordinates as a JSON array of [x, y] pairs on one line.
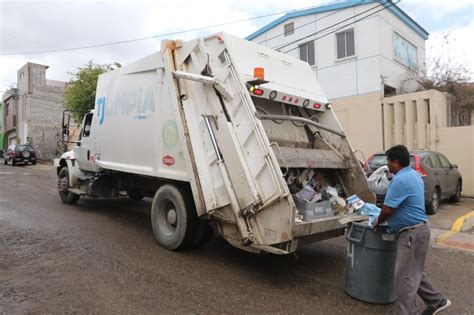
[[66, 120], [65, 135]]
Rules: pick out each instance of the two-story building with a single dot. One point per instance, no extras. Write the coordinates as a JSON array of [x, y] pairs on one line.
[[32, 110], [360, 50]]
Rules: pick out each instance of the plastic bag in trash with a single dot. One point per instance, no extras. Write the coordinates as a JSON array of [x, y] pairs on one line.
[[307, 193], [332, 191], [371, 210], [379, 180]]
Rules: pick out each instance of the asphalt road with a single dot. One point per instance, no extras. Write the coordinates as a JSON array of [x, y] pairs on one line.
[[100, 257]]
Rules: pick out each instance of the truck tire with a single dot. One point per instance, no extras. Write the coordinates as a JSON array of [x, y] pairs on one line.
[[173, 218], [63, 188]]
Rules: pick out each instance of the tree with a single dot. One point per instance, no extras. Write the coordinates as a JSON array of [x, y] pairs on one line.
[[80, 90], [446, 75]]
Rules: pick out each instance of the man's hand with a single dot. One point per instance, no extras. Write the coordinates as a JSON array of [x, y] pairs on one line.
[[384, 214], [376, 222]]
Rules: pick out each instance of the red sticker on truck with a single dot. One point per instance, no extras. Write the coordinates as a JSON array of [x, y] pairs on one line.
[[168, 160]]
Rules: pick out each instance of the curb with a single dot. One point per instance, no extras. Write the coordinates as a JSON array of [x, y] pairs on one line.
[[454, 237], [464, 222]]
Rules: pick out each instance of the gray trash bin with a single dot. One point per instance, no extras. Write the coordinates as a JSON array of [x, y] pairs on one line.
[[370, 267]]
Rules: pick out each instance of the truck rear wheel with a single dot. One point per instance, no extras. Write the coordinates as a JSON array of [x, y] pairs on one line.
[[173, 218], [63, 188]]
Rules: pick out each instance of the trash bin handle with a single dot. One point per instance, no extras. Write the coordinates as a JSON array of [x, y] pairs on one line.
[[354, 239]]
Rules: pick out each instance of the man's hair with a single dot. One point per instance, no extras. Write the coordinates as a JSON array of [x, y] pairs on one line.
[[399, 153]]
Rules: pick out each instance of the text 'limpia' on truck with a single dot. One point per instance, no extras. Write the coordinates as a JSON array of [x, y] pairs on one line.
[[222, 133]]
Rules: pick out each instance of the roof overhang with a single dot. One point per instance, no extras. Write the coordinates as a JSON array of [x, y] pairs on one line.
[[340, 6]]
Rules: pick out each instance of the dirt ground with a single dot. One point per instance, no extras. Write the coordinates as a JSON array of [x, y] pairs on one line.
[[100, 257]]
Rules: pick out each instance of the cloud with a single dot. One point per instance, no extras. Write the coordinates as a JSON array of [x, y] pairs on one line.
[[27, 26], [458, 48], [438, 9], [44, 25]]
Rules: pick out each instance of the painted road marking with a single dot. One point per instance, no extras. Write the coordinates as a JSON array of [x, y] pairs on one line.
[[458, 224], [444, 239]]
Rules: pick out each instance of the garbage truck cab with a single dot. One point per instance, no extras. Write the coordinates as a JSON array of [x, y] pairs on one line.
[[220, 132]]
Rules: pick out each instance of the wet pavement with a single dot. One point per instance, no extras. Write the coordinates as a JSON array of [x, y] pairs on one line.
[[100, 257]]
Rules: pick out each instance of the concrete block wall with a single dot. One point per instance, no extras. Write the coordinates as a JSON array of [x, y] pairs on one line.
[[37, 108], [44, 117], [414, 119], [419, 121]]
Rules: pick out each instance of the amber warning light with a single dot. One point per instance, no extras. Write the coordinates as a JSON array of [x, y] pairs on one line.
[[259, 73]]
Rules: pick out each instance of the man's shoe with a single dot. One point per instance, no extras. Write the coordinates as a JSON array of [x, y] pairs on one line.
[[430, 310]]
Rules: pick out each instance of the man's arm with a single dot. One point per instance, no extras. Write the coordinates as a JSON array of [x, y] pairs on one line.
[[384, 214]]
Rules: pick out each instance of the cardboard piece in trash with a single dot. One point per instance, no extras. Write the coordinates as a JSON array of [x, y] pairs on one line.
[[355, 202], [351, 218]]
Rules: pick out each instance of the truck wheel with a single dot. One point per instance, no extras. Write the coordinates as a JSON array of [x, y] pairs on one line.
[[173, 218], [63, 188]]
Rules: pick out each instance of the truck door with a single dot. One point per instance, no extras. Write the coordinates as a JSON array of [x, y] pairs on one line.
[[82, 149]]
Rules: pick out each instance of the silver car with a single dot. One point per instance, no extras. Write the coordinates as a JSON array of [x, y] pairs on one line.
[[441, 178]]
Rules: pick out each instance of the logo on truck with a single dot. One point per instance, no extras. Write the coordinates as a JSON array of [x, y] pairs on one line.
[[101, 109], [139, 104], [170, 134], [168, 160]]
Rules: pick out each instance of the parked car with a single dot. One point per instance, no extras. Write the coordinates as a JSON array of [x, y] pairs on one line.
[[20, 153], [441, 178]]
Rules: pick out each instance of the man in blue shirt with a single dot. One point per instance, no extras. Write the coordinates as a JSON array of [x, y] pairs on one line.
[[404, 211]]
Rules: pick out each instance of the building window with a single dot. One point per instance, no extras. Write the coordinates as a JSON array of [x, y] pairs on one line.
[[22, 75], [405, 52], [289, 28], [307, 52], [345, 44]]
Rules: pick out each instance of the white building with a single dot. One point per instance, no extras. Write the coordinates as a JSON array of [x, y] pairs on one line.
[[360, 50]]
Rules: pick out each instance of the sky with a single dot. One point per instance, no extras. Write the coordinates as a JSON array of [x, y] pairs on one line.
[[32, 26]]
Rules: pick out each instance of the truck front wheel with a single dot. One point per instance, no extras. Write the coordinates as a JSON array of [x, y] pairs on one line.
[[173, 218], [63, 188]]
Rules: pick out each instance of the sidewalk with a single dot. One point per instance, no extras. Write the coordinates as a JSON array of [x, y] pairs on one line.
[[452, 239], [453, 226]]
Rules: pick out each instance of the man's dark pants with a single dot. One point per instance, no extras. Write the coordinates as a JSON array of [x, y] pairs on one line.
[[412, 249]]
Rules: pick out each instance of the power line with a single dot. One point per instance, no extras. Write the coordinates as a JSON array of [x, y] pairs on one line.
[[340, 22], [150, 37], [303, 25], [358, 20]]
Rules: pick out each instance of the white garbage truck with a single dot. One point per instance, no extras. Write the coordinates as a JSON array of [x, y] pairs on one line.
[[224, 135]]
